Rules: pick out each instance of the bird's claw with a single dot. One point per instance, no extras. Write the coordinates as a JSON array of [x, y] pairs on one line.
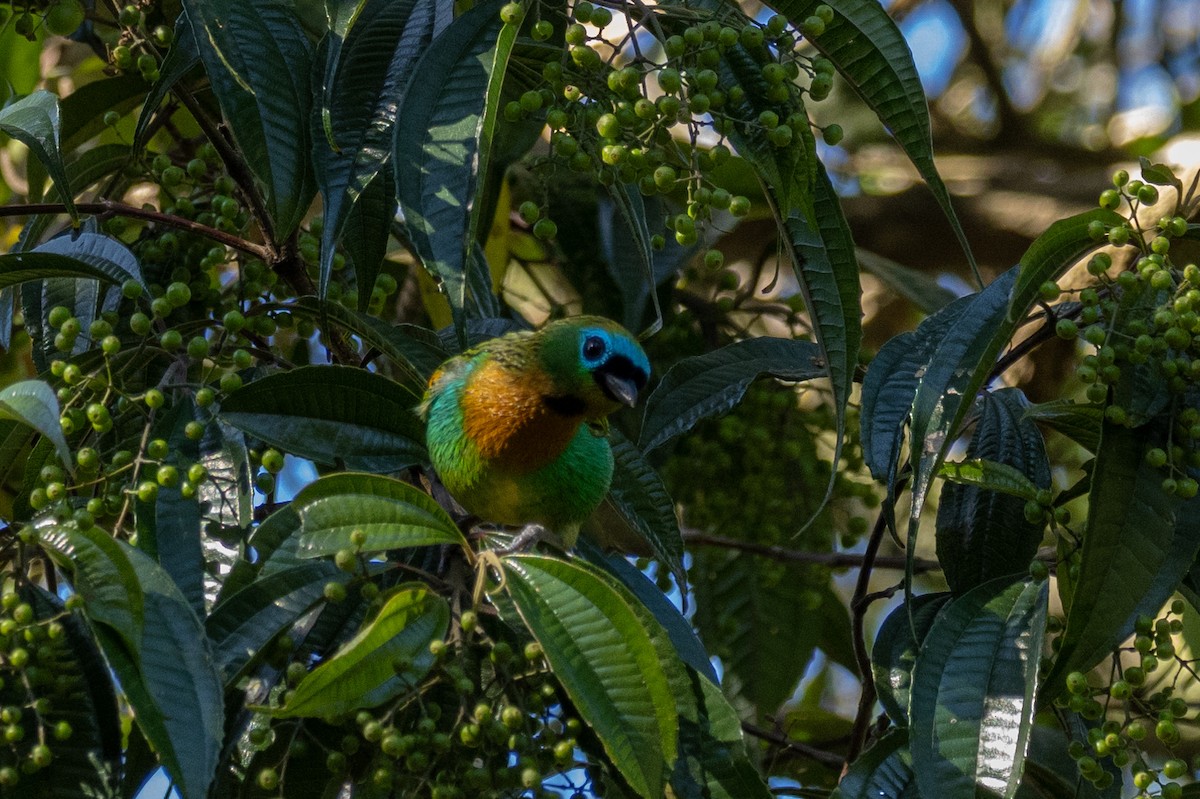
[[524, 540]]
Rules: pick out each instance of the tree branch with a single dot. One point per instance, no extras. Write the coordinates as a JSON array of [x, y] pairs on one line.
[[796, 747], [834, 560], [113, 208], [858, 610]]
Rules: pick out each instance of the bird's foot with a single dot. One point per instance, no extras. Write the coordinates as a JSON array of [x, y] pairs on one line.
[[524, 540]]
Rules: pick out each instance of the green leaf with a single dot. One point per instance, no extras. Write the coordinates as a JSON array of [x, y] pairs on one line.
[[918, 287], [1138, 546], [154, 644], [181, 58], [80, 694], [101, 573], [631, 208], [604, 657], [259, 62], [982, 531], [173, 652], [1159, 175], [708, 385], [1079, 422], [686, 645], [1053, 252], [884, 770], [712, 762], [242, 625], [33, 121], [169, 527], [390, 513], [823, 259], [1051, 772], [891, 383], [744, 608], [640, 497], [439, 150], [895, 651], [989, 476], [365, 77], [415, 351], [331, 415], [973, 688], [946, 390], [90, 255], [787, 173], [873, 57], [361, 674], [33, 403]]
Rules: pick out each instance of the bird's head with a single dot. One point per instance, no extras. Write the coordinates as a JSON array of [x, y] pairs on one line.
[[595, 364]]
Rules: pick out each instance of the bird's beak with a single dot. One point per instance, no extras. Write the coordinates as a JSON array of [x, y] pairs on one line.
[[622, 389]]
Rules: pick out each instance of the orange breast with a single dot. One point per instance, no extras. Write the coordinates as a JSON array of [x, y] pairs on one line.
[[506, 418]]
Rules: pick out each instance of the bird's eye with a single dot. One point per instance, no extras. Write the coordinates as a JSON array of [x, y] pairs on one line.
[[593, 347]]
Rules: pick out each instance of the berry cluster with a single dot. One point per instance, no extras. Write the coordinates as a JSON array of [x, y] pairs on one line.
[[1136, 713], [770, 447], [1143, 323], [38, 686], [634, 114], [487, 721], [60, 17]]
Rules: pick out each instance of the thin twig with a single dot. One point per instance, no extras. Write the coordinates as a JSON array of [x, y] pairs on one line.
[[832, 559], [796, 747], [858, 610]]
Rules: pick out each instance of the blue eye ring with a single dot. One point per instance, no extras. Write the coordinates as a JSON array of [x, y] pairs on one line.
[[594, 348]]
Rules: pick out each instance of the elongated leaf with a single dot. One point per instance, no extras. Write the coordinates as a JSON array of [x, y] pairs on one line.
[[894, 652], [1053, 252], [891, 383], [708, 385], [33, 121], [641, 498], [81, 694], [33, 403], [957, 370], [331, 414], [182, 58], [973, 690], [1079, 422], [1138, 546], [982, 531], [989, 476], [259, 61], [101, 573], [437, 153], [18, 267], [389, 513], [679, 630], [606, 661], [415, 351], [361, 674], [174, 652], [884, 770], [823, 259], [169, 527], [871, 53], [248, 620], [1051, 773], [918, 287], [763, 619], [154, 643], [631, 208], [366, 74]]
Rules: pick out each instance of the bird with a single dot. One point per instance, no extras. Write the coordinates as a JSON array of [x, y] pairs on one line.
[[516, 427]]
